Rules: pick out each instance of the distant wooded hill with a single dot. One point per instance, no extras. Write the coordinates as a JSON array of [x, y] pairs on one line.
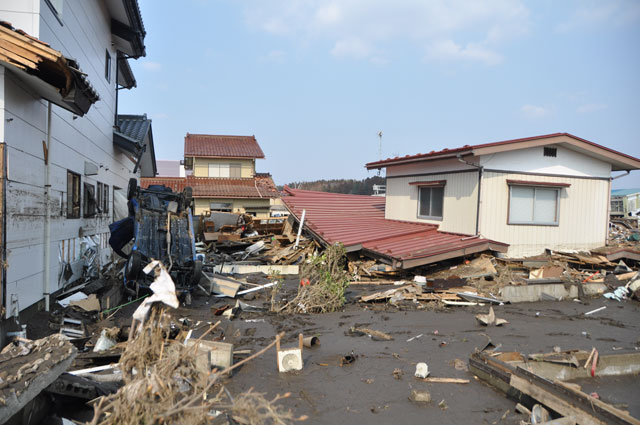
[[350, 186]]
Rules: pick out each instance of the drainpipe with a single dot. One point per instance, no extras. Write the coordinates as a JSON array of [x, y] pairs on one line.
[[47, 215], [480, 170]]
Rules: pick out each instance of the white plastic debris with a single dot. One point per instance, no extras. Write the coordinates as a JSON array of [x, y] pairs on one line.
[[104, 342], [422, 370], [163, 288]]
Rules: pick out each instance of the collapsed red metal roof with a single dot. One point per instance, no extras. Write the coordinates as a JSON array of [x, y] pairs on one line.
[[261, 186], [358, 223], [216, 146]]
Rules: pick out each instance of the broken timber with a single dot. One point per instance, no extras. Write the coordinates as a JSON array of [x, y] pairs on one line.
[[525, 386]]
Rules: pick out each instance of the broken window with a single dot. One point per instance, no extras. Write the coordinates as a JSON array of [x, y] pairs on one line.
[[73, 195], [533, 205], [89, 197], [430, 202]]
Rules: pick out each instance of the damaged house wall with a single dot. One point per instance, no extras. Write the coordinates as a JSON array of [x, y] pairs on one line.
[[537, 193], [82, 146]]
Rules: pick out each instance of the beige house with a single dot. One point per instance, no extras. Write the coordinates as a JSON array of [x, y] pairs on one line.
[[535, 193], [221, 170]]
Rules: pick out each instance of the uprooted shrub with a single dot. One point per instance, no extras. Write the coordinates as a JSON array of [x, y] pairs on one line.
[[327, 282], [163, 385]]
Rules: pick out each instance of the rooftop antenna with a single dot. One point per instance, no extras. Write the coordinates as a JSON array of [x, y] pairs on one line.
[[380, 149]]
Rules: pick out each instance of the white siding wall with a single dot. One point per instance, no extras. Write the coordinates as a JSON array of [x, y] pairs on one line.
[[84, 36], [460, 200], [531, 160], [582, 219], [22, 14]]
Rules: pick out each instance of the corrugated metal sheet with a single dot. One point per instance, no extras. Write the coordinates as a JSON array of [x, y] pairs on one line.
[[358, 222], [216, 146], [261, 186]]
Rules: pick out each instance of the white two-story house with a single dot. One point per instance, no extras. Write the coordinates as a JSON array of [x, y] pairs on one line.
[[62, 63], [535, 193]]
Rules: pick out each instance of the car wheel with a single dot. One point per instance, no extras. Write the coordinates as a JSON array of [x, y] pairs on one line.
[[132, 188], [134, 265], [197, 272]]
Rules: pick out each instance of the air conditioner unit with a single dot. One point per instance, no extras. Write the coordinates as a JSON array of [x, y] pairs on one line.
[[290, 358]]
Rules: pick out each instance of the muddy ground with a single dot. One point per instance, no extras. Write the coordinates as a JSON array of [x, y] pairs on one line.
[[367, 390]]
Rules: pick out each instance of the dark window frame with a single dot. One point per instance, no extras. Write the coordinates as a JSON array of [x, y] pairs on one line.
[[74, 194], [107, 66], [89, 200], [431, 189], [57, 13], [105, 199]]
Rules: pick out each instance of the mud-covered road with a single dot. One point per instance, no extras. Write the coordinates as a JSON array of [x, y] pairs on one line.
[[367, 391]]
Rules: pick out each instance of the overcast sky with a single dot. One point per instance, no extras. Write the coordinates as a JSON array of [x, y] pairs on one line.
[[315, 81]]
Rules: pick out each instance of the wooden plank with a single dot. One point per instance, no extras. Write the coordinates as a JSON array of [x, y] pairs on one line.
[[25, 53], [8, 60], [30, 44], [601, 404], [559, 405], [444, 380]]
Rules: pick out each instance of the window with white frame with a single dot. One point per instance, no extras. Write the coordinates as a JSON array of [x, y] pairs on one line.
[[536, 205], [219, 170], [430, 202]]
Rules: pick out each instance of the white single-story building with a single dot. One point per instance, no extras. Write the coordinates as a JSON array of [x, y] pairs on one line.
[[541, 192]]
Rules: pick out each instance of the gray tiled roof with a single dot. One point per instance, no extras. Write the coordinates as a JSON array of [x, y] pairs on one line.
[[134, 126]]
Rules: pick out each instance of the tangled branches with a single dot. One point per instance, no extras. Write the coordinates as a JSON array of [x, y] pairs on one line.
[[163, 385], [327, 283]]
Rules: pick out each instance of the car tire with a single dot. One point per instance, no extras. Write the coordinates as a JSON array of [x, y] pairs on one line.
[[134, 265], [197, 272], [132, 188]]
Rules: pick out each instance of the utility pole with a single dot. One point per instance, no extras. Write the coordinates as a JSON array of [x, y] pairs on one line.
[[380, 149]]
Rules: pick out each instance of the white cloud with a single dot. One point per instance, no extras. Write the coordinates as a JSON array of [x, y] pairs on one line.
[[448, 50], [362, 29], [532, 111], [151, 66], [590, 107]]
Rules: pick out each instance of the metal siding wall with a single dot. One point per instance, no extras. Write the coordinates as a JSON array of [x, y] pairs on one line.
[[460, 200], [582, 215]]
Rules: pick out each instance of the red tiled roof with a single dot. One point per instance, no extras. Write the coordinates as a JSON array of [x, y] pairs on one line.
[[261, 186], [358, 223], [215, 146], [470, 148]]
